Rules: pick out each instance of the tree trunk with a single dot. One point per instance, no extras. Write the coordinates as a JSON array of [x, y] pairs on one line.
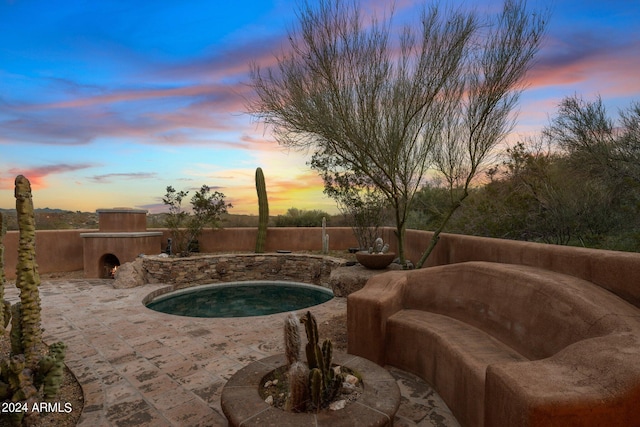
[[436, 234]]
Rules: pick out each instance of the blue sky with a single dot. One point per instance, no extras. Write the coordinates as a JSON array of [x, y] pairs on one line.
[[105, 103]]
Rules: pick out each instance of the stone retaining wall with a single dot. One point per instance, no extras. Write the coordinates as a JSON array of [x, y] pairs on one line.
[[198, 270]]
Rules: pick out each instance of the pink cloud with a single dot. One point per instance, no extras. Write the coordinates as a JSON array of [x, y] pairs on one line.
[[37, 175], [230, 62], [136, 95], [141, 114], [578, 59]]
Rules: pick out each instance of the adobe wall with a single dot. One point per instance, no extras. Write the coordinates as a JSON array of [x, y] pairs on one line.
[[56, 251], [122, 219], [62, 250], [278, 238], [618, 272], [125, 246]]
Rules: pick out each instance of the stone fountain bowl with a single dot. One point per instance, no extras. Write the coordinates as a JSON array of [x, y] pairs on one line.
[[375, 261]]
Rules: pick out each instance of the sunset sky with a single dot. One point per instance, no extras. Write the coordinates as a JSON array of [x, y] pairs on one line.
[[105, 103]]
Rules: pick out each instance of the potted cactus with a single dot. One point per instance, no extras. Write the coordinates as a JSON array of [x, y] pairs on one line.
[[378, 256], [284, 390], [312, 386]]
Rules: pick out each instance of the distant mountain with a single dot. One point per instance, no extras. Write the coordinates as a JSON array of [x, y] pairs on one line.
[[51, 210], [43, 210], [54, 219]]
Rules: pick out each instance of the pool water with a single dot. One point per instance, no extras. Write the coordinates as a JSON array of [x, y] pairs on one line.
[[240, 299]]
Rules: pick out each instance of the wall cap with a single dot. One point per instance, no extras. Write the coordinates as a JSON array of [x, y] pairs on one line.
[[121, 234]]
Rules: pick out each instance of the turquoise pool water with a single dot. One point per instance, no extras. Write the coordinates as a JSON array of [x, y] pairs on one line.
[[240, 299]]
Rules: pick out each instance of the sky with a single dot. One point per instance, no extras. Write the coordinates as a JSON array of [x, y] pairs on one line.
[[106, 103]]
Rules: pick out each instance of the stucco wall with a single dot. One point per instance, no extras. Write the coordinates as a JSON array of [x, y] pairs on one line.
[[62, 250], [56, 251], [122, 219], [616, 271], [59, 251], [125, 246], [285, 238]]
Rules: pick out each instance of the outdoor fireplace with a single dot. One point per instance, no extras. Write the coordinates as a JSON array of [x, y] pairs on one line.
[[121, 237], [109, 263]]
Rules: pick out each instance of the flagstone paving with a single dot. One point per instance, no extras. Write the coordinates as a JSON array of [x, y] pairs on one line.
[[138, 367]]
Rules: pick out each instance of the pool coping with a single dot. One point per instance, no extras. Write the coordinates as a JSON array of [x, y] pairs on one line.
[[179, 291], [157, 296]]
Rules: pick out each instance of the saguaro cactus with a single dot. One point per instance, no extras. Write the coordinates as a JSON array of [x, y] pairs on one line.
[[263, 210], [27, 376], [27, 277], [3, 231]]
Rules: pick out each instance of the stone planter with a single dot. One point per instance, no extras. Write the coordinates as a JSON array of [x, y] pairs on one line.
[[242, 404], [375, 261]]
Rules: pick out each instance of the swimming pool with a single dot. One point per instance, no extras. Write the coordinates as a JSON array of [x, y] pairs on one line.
[[240, 299]]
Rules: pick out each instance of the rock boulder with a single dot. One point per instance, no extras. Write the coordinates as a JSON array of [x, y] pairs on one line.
[[129, 275], [345, 280]]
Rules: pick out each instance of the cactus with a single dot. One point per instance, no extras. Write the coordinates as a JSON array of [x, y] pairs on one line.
[[263, 211], [26, 372], [327, 355], [325, 237], [292, 342], [20, 386], [316, 388], [298, 373], [327, 352], [312, 349], [315, 385], [16, 329], [320, 361], [379, 247], [27, 277], [3, 315], [6, 312], [298, 377], [50, 370]]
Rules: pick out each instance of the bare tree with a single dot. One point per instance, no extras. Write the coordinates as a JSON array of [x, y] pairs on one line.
[[481, 115], [597, 143], [344, 90], [363, 205]]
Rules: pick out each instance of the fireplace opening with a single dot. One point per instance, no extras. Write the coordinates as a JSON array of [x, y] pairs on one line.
[[109, 263]]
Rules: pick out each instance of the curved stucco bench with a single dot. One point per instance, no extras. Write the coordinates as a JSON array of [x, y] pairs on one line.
[[505, 345]]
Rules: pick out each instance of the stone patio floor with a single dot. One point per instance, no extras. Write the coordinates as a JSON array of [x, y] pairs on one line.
[[138, 367]]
